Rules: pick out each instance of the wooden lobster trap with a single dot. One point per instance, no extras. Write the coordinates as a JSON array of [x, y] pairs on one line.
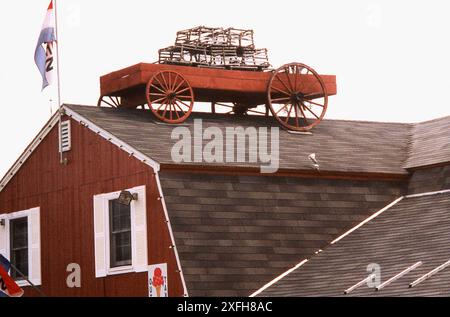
[[191, 71]]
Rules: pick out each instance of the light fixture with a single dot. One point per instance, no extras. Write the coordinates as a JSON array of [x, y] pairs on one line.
[[2, 222], [125, 197]]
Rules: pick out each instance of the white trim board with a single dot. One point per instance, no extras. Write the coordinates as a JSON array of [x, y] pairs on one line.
[[278, 278], [111, 138], [172, 238]]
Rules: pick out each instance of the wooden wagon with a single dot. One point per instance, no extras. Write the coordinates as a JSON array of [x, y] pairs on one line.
[[237, 77]]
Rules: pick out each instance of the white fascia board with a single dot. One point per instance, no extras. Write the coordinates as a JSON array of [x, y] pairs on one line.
[[278, 278], [111, 138]]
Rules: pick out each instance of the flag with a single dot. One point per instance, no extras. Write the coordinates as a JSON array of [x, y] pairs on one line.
[[8, 286], [43, 55]]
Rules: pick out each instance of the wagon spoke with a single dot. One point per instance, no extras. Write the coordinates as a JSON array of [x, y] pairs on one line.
[[176, 103], [286, 71], [165, 111], [296, 114], [175, 82], [112, 105], [280, 90], [303, 114], [307, 108], [158, 89], [158, 100], [255, 111], [183, 90], [169, 85], [296, 73], [157, 94], [314, 103], [185, 97], [223, 105], [182, 102], [160, 106], [279, 110], [165, 82], [161, 84], [175, 110], [179, 85], [287, 88], [280, 99], [288, 114]]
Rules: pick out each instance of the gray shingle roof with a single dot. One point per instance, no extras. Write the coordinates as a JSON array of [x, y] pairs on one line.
[[415, 229], [235, 233], [340, 145]]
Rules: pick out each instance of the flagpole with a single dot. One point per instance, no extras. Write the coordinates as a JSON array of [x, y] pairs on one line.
[[59, 80], [29, 282]]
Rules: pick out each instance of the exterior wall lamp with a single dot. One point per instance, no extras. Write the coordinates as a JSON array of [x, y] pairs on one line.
[[125, 197]]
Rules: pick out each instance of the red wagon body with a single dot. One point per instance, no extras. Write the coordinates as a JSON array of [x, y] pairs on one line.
[[208, 84], [221, 66]]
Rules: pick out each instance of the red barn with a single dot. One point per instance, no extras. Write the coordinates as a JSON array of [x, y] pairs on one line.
[[134, 222]]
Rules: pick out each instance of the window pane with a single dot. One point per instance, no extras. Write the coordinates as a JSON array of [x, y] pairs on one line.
[[19, 246], [120, 234]]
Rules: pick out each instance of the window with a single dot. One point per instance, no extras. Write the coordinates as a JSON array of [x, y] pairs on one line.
[[20, 242], [119, 234], [19, 246]]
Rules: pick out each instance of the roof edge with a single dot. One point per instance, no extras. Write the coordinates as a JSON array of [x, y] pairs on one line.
[[83, 121], [304, 173], [29, 150], [446, 191], [111, 138], [376, 214]]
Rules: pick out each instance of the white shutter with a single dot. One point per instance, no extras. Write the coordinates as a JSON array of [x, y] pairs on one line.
[[99, 236], [34, 240], [139, 219], [3, 237]]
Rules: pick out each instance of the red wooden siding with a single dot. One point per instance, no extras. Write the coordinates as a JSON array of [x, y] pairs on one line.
[[65, 196]]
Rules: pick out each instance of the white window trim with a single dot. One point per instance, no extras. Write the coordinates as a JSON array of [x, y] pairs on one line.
[[119, 269], [106, 198], [16, 215]]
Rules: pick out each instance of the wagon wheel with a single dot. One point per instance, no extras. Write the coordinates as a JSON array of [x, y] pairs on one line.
[[109, 101], [298, 104], [170, 97]]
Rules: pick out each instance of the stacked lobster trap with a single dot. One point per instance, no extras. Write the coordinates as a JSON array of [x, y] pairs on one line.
[[217, 48]]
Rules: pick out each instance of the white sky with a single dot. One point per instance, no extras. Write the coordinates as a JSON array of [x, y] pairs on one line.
[[391, 57]]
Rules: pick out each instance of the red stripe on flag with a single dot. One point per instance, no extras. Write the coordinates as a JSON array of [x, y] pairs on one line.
[[50, 6], [12, 289]]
